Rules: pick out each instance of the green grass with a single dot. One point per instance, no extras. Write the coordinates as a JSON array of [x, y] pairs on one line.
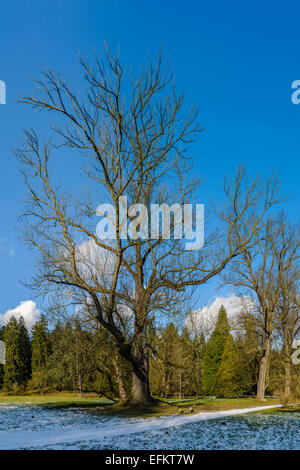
[[223, 403], [164, 407], [168, 407], [56, 400], [283, 410]]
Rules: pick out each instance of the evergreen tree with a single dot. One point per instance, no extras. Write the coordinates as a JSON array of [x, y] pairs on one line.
[[1, 365], [18, 353], [40, 355], [177, 361], [248, 341], [199, 347], [214, 351], [186, 356], [25, 351], [40, 345], [230, 379], [12, 363], [60, 370], [165, 371]]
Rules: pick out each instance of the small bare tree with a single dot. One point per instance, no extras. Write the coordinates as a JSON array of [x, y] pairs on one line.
[[289, 322], [261, 270], [135, 139]]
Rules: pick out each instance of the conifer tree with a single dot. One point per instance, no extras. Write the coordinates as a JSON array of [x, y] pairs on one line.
[[186, 363], [199, 347], [229, 379], [1, 365], [214, 351], [40, 345], [25, 351], [18, 353], [59, 369], [12, 364], [249, 355], [165, 373]]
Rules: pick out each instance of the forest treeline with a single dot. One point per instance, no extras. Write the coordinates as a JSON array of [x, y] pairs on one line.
[[183, 362]]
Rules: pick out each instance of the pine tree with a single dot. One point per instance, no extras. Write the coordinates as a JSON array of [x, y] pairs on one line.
[[214, 351], [25, 352], [165, 372], [40, 345], [250, 349], [229, 379], [59, 370], [12, 363], [199, 346], [18, 353], [186, 364], [1, 365]]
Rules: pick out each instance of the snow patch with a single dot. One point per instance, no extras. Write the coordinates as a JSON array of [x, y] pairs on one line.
[[54, 429]]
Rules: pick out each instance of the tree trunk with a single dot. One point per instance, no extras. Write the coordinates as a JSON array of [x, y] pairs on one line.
[[287, 363], [164, 382], [287, 382], [138, 354], [140, 389], [263, 370], [119, 380], [80, 385], [180, 385]]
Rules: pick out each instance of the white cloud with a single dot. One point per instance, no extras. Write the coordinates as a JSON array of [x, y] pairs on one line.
[[92, 261], [27, 309], [232, 304], [205, 317]]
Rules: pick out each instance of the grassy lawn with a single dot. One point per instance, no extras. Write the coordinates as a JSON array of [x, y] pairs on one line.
[[170, 407], [165, 407], [59, 400], [283, 410]]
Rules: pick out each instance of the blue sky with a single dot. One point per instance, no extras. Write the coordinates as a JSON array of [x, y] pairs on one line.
[[237, 60]]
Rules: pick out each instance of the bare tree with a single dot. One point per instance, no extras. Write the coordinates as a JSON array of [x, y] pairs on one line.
[[135, 139], [289, 322], [261, 270]]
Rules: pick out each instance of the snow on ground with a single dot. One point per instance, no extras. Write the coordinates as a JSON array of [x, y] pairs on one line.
[[248, 432], [30, 427]]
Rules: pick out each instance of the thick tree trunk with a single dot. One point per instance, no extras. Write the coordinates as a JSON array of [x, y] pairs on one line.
[[140, 389], [138, 353], [263, 370]]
